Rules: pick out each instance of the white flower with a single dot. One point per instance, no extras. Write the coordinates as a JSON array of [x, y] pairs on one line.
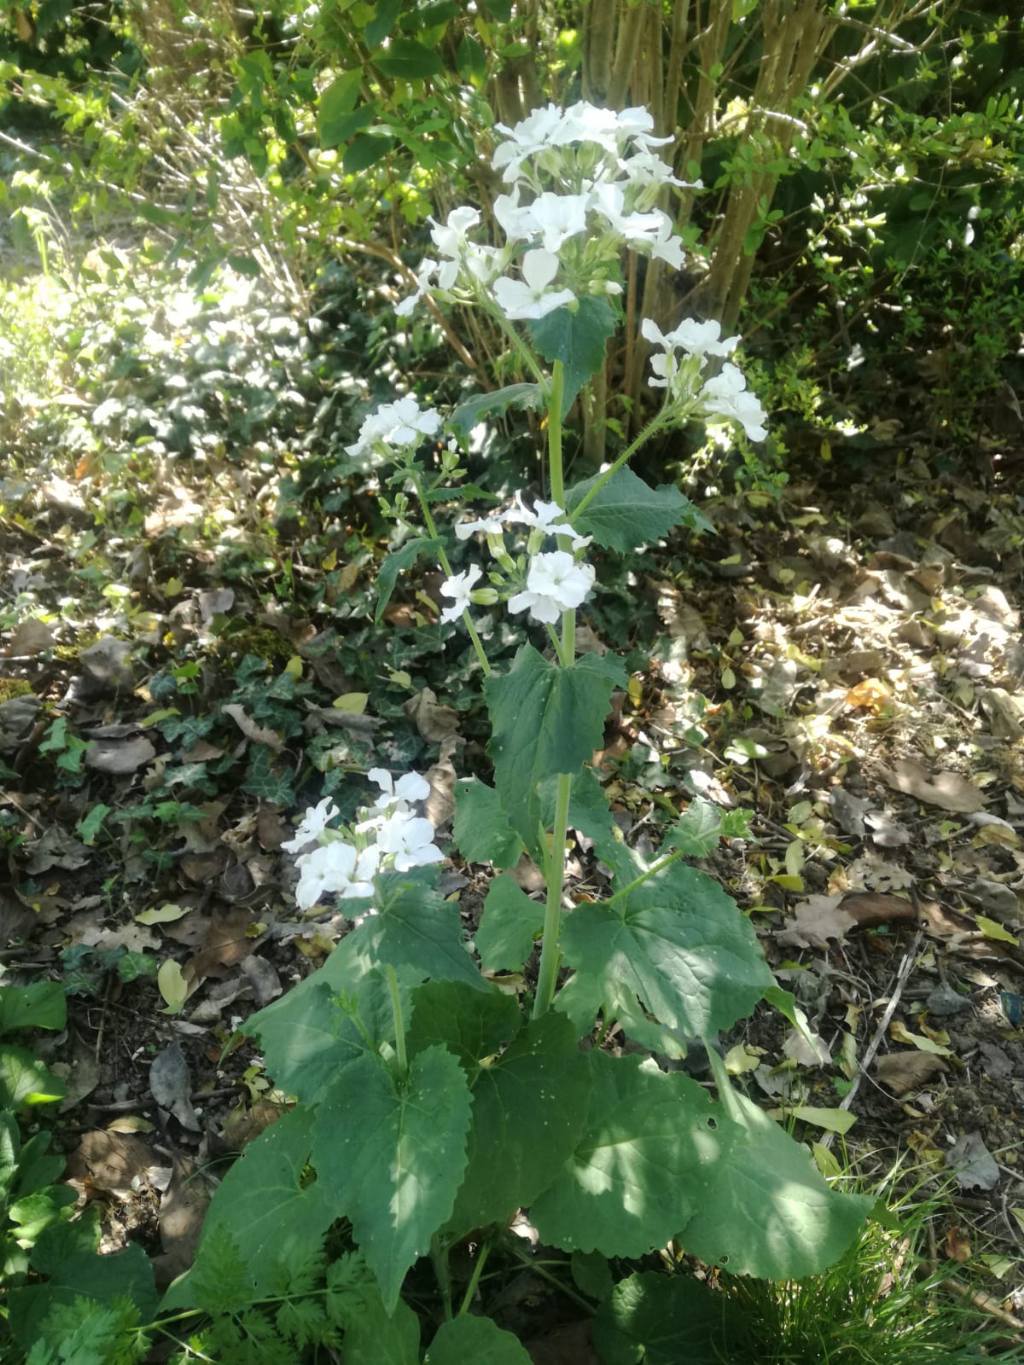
[[727, 394], [558, 217], [696, 338], [491, 526], [335, 869], [555, 583], [314, 822], [410, 840], [531, 135], [547, 517], [611, 129], [519, 301], [450, 237], [664, 245], [517, 223], [644, 168], [425, 272], [484, 263], [409, 787], [396, 425], [459, 587]]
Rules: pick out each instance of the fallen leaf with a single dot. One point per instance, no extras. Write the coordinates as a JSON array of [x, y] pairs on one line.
[[56, 849], [899, 1033], [182, 1210], [885, 831], [106, 666], [833, 1120], [902, 1072], [31, 637], [870, 695], [434, 721], [163, 914], [354, 703], [259, 734], [263, 977], [814, 922], [742, 1058], [958, 1246], [171, 1087], [972, 1163], [172, 985], [994, 930], [119, 756], [226, 942], [870, 908], [947, 790], [116, 1163]]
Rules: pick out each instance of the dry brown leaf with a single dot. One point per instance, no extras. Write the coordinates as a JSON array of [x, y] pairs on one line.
[[111, 1162], [869, 908], [947, 790], [434, 721], [119, 755], [870, 695], [814, 922], [226, 943], [182, 1210], [260, 734], [902, 1072]]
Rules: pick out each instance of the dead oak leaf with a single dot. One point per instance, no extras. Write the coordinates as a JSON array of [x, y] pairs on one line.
[[947, 790]]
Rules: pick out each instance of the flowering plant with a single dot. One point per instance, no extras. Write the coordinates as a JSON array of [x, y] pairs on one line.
[[432, 1105]]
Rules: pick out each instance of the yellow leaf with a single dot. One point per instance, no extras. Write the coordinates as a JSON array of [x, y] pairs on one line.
[[993, 929], [172, 985], [163, 914], [728, 679], [742, 1058], [899, 1032], [400, 678], [788, 882], [172, 587], [293, 668], [329, 561], [352, 702]]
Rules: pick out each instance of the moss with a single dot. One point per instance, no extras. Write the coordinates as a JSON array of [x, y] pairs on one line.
[[13, 687], [259, 640]]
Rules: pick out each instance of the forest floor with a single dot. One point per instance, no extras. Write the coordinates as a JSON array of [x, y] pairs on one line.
[[845, 661]]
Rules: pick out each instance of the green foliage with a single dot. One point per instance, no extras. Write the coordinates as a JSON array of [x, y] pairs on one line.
[[626, 513], [482, 829], [510, 923], [577, 337], [663, 1319], [471, 1338]]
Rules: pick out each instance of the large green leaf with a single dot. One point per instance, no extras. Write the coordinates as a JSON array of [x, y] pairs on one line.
[[665, 1319], [497, 401], [545, 720], [529, 1107], [409, 60], [397, 562], [766, 1209], [473, 1024], [482, 829], [336, 104], [577, 337], [640, 1169], [392, 1154], [269, 1204], [25, 1080], [510, 923], [627, 512], [477, 1340], [415, 928], [679, 944], [39, 1005], [376, 1337], [83, 1275]]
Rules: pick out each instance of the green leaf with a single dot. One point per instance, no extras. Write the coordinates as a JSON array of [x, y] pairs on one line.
[[589, 813], [545, 720], [480, 1340], [639, 1171], [482, 830], [365, 151], [416, 929], [91, 824], [627, 512], [397, 562], [392, 1154], [510, 923], [765, 1209], [474, 1025], [468, 414], [336, 102], [383, 21], [592, 1274], [269, 1204], [409, 60], [37, 1166], [578, 339], [83, 1275], [696, 833], [665, 1319], [471, 60], [529, 1107], [679, 945], [10, 1149], [25, 1080], [373, 1336], [39, 1005]]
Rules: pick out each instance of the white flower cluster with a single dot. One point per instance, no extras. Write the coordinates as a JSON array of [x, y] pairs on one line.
[[388, 835], [605, 180], [553, 581], [401, 425], [678, 368]]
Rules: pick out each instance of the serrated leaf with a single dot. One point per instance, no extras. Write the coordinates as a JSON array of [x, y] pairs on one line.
[[393, 1153], [508, 927], [679, 945], [639, 1170], [415, 928], [467, 415], [480, 1340], [481, 828], [627, 512], [578, 339], [765, 1209], [696, 833], [472, 1024], [529, 1107], [171, 984], [396, 562], [38, 1005], [126, 1274], [664, 1319], [545, 720], [373, 1336]]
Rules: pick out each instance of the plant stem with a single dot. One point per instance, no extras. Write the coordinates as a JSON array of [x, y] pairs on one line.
[[396, 1010], [538, 1269], [474, 1280], [555, 396], [652, 871], [550, 952], [656, 422], [445, 562], [439, 1260]]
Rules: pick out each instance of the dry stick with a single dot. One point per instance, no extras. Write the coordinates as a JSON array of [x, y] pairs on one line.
[[906, 967]]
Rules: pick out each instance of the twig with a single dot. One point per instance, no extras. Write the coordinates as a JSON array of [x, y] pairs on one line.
[[903, 975]]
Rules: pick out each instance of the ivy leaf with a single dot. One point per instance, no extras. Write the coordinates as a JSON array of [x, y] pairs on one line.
[[472, 1024], [578, 339], [482, 830], [468, 414], [627, 512], [545, 720], [477, 1339], [529, 1107], [765, 1208], [679, 945], [510, 923], [38, 1005], [397, 562], [262, 779], [663, 1319], [639, 1171], [416, 929], [393, 1153]]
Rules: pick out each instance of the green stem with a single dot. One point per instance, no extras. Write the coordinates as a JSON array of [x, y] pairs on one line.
[[555, 396], [550, 953], [474, 1281], [396, 1010], [652, 871], [656, 422], [445, 562], [439, 1260], [538, 1269]]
